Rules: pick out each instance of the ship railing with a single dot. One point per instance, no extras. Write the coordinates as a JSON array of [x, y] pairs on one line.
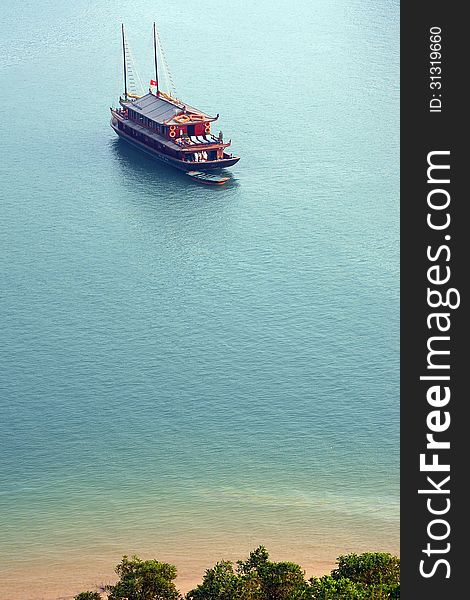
[[197, 140]]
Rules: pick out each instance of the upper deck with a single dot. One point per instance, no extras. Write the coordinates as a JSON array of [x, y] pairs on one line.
[[184, 143], [171, 119]]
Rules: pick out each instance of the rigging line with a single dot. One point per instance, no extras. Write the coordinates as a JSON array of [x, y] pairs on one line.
[[165, 63], [132, 70], [135, 71]]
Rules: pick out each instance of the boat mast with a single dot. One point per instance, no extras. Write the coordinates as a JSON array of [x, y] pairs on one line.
[[124, 60], [155, 53]]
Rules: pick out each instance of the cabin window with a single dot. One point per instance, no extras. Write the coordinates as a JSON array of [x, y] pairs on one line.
[[190, 130]]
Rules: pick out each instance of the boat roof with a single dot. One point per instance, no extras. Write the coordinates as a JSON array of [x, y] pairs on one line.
[[163, 110]]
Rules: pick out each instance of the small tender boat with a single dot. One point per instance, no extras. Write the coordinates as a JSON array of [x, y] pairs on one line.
[[210, 178]]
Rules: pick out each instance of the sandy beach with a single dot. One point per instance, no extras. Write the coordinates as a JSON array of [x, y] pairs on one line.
[[62, 581]]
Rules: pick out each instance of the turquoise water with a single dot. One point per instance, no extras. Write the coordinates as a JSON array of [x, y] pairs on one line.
[[188, 372]]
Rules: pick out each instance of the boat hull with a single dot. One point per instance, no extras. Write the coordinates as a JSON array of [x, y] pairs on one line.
[[175, 162]]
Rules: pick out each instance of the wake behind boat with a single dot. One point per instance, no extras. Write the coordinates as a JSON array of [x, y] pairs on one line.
[[167, 128]]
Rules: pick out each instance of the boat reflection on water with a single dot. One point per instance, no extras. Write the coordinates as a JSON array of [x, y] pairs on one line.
[[139, 170]]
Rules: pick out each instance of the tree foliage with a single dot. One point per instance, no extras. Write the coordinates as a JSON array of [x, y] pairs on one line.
[[144, 580], [219, 583], [256, 578], [368, 576], [329, 588], [269, 580], [370, 568]]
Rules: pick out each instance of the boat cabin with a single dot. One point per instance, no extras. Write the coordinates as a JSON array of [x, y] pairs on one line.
[[167, 118]]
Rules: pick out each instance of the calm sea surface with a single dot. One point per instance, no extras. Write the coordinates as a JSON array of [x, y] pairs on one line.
[[188, 372]]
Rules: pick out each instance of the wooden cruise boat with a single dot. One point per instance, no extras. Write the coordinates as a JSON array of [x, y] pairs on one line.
[[167, 128]]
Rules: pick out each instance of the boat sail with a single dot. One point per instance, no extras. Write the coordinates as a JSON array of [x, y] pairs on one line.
[[165, 127]]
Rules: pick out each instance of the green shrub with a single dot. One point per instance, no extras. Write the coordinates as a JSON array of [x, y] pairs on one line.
[[88, 596], [144, 580]]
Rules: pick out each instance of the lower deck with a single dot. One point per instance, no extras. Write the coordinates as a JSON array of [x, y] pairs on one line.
[[198, 156]]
